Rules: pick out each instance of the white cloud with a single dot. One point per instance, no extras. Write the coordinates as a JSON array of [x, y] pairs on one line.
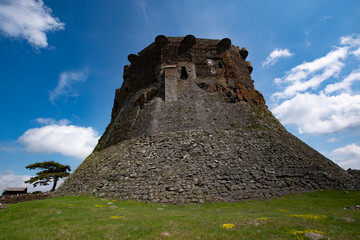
[[332, 140], [354, 42], [332, 107], [356, 53], [320, 114], [65, 85], [8, 147], [68, 140], [312, 74], [51, 121], [143, 7], [347, 157], [28, 19], [275, 55], [309, 75], [9, 179], [345, 84], [326, 18]]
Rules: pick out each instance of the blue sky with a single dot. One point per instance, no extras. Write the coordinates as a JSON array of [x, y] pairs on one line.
[[61, 61]]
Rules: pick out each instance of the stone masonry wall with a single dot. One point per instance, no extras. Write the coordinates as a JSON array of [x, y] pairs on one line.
[[197, 166]]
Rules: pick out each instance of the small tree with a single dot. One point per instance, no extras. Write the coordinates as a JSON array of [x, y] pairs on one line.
[[51, 171]]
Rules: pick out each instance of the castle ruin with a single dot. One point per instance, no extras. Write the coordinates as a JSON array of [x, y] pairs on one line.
[[187, 125]]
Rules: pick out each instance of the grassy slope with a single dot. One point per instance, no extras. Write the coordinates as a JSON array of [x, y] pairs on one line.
[[90, 218]]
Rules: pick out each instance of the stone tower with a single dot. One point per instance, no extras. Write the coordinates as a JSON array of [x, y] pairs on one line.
[[188, 126]]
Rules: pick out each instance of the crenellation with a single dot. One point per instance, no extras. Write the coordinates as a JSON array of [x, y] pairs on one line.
[[243, 53], [161, 40], [224, 43], [249, 66], [132, 58], [186, 44]]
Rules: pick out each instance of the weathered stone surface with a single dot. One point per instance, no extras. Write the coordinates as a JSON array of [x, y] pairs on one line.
[[209, 90], [196, 166], [224, 43], [132, 58], [188, 126], [189, 40], [24, 197], [244, 53], [249, 66], [161, 40], [313, 235], [356, 207], [355, 173]]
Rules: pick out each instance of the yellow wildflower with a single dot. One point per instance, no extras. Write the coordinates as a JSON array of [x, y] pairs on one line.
[[116, 217], [100, 205], [298, 234], [227, 225], [309, 216], [262, 219]]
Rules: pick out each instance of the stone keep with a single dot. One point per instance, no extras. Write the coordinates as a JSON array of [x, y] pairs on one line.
[[187, 125]]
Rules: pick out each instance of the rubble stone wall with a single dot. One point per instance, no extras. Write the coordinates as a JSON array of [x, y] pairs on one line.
[[197, 166]]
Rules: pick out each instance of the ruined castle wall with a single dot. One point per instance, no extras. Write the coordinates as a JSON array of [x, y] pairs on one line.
[[170, 89], [188, 126], [197, 166]]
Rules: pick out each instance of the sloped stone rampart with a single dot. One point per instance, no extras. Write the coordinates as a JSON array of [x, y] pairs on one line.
[[197, 166]]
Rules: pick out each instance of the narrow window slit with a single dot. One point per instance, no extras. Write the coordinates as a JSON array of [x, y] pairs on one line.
[[184, 74]]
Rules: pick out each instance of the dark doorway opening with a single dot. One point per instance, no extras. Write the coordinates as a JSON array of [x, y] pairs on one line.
[[184, 74]]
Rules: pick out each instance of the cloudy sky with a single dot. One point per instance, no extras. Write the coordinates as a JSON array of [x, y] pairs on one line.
[[61, 62]]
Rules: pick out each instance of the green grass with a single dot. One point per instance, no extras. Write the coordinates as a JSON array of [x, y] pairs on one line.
[[90, 218]]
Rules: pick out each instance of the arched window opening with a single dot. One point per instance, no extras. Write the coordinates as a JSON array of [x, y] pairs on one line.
[[184, 74], [220, 64]]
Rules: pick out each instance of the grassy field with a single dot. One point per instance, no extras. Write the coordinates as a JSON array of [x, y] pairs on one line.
[[289, 217]]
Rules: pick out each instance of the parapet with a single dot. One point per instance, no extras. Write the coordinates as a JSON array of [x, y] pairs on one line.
[[205, 58]]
